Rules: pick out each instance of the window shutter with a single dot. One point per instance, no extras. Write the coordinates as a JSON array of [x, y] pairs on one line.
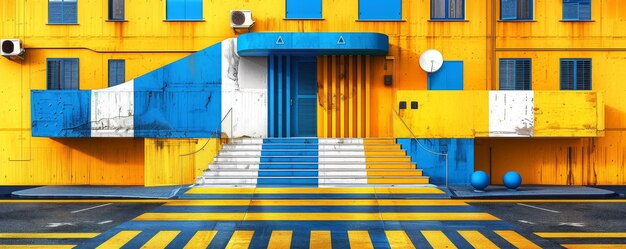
[[55, 11], [584, 10], [507, 74], [567, 75], [54, 74], [70, 74], [583, 75], [193, 9], [175, 9], [70, 11], [116, 9], [116, 72], [508, 9], [523, 75], [570, 9], [524, 9], [438, 9], [457, 11]]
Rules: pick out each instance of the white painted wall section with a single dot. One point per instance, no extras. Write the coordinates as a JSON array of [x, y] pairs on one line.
[[511, 113], [113, 111]]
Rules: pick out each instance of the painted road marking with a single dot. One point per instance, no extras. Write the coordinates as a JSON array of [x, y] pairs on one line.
[[360, 239], [437, 239], [161, 239], [37, 246], [314, 216], [85, 209], [477, 239], [280, 240], [104, 222], [201, 239], [320, 239], [597, 235], [399, 240], [173, 202], [539, 208], [516, 239], [594, 246], [318, 202], [240, 240], [119, 240], [421, 190], [48, 235]]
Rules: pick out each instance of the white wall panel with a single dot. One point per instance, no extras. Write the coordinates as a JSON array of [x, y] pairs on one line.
[[511, 113], [113, 111]]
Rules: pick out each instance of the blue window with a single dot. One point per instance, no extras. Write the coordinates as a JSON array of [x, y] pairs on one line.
[[183, 10], [447, 9], [62, 73], [575, 74], [576, 10], [62, 11], [515, 74], [117, 72], [116, 10], [380, 10], [304, 9], [516, 9]]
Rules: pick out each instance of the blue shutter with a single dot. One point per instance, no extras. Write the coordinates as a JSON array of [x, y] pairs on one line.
[[438, 9], [456, 9], [53, 73], [193, 10], [507, 74], [380, 9], [55, 11], [70, 11], [567, 74], [69, 69], [584, 10], [508, 9], [304, 9], [116, 72], [116, 9], [583, 74], [523, 75], [175, 9], [570, 10], [524, 10]]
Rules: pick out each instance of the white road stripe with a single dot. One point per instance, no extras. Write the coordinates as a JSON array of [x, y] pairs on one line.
[[543, 209], [85, 209]]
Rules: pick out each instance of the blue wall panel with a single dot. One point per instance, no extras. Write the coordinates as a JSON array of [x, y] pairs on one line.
[[449, 77], [304, 9], [61, 113], [380, 10], [182, 99], [460, 159]]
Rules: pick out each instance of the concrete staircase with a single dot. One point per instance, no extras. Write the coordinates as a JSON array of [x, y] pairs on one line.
[[312, 162]]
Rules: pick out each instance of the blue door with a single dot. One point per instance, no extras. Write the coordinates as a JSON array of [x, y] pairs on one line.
[[449, 77], [304, 97]]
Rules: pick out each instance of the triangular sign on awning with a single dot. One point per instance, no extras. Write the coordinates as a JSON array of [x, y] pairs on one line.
[[341, 41], [280, 41]]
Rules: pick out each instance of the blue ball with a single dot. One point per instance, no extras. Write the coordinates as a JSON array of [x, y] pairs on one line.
[[479, 180], [512, 180]]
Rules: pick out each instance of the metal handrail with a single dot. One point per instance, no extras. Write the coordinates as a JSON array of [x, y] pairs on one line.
[[420, 144], [216, 130]]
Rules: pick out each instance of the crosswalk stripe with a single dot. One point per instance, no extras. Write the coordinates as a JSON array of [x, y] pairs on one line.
[[320, 239], [437, 239], [360, 240], [590, 235], [160, 240], [119, 240], [37, 246], [399, 239], [201, 239], [48, 235], [240, 240], [516, 239], [318, 202], [316, 216], [594, 246], [477, 239], [419, 190], [280, 239]]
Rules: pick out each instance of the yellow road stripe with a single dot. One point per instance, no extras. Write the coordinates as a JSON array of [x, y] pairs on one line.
[[360, 240], [399, 240], [319, 202], [119, 240], [173, 202], [594, 246], [280, 239], [48, 235], [321, 240], [37, 246], [83, 201], [437, 239], [596, 235], [516, 239], [201, 239], [316, 216], [161, 239], [422, 190], [477, 239], [240, 240]]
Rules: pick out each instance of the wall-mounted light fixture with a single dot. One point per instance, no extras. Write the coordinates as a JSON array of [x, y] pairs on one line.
[[389, 70]]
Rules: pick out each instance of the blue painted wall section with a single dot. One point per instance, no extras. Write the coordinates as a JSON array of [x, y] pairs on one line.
[[182, 99], [61, 113], [460, 159]]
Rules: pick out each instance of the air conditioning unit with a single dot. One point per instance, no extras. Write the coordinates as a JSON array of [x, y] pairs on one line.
[[11, 48], [241, 19]]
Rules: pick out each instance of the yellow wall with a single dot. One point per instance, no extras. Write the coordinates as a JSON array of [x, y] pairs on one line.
[[177, 161]]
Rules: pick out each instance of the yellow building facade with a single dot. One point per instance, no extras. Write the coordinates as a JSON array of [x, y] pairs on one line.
[[579, 137]]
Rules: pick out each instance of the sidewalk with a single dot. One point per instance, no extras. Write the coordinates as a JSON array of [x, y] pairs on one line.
[[533, 192]]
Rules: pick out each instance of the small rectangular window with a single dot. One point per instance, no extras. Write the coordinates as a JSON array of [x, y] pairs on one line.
[[380, 10], [515, 74], [576, 10], [447, 9], [117, 72], [116, 10], [575, 74], [516, 10], [62, 74], [304, 9], [183, 10], [62, 11]]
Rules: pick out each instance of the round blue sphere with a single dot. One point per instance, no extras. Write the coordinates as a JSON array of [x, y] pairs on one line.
[[512, 180], [479, 180]]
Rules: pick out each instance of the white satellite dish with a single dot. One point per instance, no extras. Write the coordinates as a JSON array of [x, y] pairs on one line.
[[431, 60]]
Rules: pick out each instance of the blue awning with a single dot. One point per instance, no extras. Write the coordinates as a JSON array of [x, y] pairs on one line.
[[312, 43]]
